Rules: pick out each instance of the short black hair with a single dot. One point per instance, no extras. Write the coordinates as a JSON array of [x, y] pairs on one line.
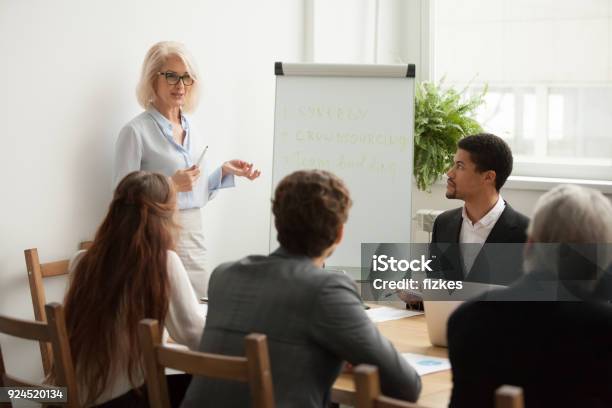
[[489, 152]]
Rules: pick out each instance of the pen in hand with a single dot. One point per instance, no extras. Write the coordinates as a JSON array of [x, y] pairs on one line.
[[201, 159]]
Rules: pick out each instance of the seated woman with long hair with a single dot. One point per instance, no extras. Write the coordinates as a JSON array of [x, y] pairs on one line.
[[129, 273]]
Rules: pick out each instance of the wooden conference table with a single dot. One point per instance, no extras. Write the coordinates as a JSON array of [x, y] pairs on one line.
[[408, 335]]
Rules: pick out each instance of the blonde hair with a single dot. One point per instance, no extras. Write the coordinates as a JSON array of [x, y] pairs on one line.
[[155, 59]]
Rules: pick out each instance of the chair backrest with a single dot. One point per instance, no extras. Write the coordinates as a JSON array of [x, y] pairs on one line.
[[36, 272], [509, 396], [253, 369], [54, 332], [368, 395], [367, 390]]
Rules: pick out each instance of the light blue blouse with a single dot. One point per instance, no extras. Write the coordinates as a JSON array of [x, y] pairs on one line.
[[146, 143]]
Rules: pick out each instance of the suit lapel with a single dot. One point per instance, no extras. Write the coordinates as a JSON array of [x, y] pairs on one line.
[[503, 226], [454, 228], [457, 271], [499, 234], [445, 246]]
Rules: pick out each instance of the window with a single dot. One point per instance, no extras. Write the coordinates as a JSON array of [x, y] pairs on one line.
[[548, 65]]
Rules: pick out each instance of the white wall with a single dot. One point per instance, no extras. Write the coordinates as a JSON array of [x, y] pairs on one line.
[[69, 69]]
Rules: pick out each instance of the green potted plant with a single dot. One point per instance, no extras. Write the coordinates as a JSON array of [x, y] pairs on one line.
[[442, 117]]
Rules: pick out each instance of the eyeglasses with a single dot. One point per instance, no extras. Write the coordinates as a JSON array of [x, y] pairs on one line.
[[172, 78]]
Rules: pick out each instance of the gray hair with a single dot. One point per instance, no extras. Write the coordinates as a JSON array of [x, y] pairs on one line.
[[154, 61], [572, 214], [568, 214]]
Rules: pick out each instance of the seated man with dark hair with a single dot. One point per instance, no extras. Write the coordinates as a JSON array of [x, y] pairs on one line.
[[313, 319], [480, 168], [559, 352]]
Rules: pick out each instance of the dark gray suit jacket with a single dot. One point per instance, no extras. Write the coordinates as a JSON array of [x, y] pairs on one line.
[[559, 352], [500, 260], [314, 320]]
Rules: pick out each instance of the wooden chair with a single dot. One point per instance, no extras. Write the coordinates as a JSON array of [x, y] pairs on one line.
[[54, 332], [253, 369], [368, 395], [36, 273], [367, 390], [509, 396]]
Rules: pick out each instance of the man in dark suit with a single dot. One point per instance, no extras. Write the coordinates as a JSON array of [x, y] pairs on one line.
[[474, 242], [559, 352], [313, 319]]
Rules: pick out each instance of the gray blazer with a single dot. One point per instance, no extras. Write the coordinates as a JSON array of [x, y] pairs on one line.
[[314, 320]]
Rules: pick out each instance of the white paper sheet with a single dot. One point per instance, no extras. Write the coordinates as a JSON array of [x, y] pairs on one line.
[[203, 308], [426, 364], [384, 313]]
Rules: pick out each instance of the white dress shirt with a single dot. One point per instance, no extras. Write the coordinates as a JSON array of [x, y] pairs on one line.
[[146, 143], [477, 233]]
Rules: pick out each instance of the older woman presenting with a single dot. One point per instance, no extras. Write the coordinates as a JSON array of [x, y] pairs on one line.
[[161, 139]]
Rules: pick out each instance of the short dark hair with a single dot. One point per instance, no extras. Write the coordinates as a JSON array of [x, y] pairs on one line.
[[309, 209], [489, 152]]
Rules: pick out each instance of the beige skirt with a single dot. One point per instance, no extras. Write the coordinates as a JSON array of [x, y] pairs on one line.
[[192, 251]]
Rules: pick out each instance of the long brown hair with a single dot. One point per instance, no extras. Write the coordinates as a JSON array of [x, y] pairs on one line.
[[120, 280]]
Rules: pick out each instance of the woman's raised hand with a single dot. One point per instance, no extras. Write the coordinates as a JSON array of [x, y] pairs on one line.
[[185, 179], [241, 169]]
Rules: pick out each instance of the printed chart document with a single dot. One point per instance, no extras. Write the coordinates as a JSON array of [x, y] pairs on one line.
[[385, 313], [427, 364]]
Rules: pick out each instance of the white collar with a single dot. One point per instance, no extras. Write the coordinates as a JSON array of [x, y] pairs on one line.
[[491, 217]]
